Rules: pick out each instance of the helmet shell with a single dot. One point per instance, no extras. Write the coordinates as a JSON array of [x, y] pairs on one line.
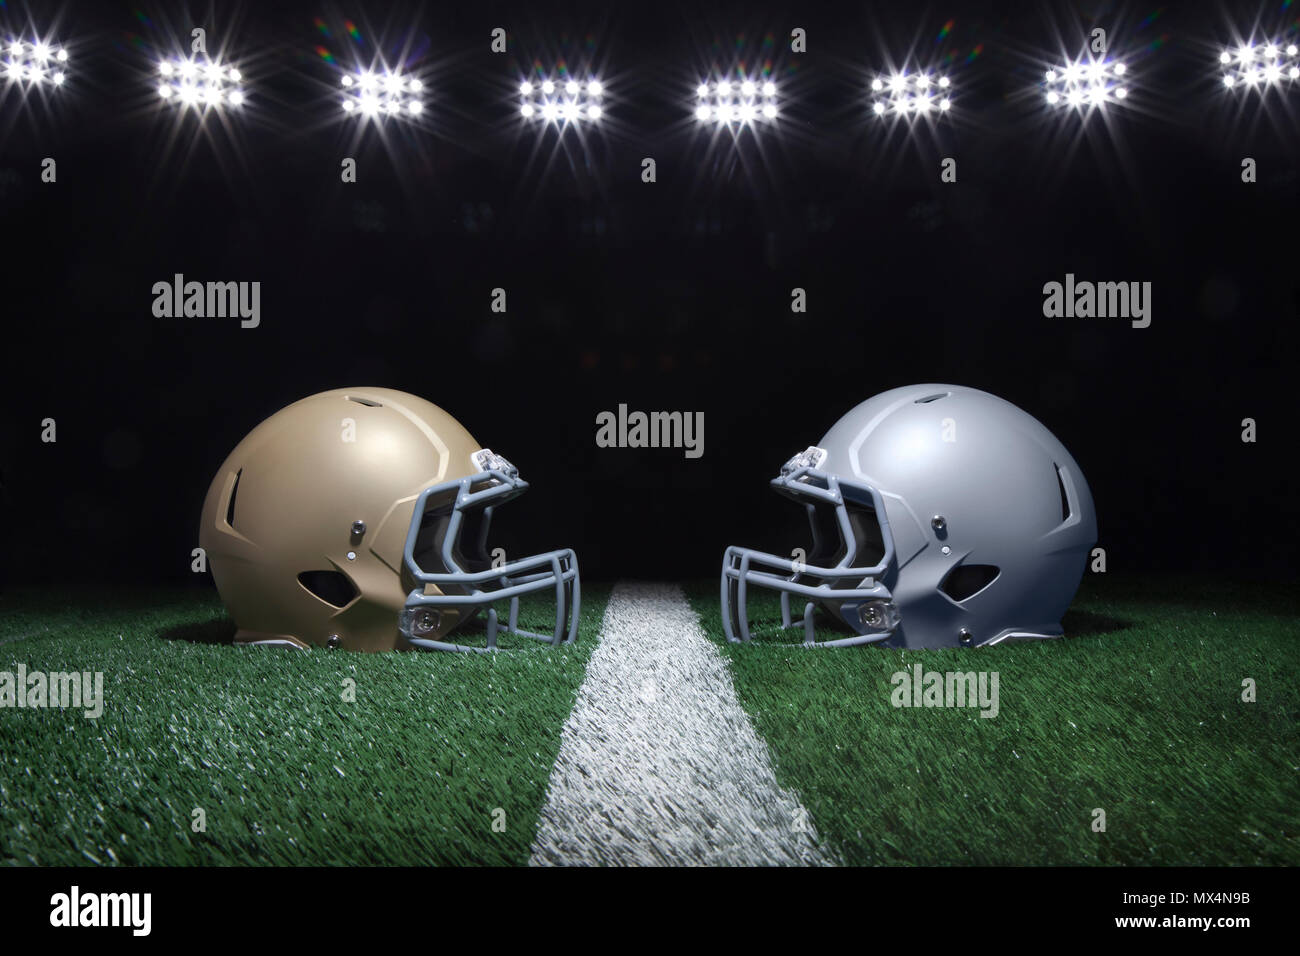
[[978, 494], [279, 523]]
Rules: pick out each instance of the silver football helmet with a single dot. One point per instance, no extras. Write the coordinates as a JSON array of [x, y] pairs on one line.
[[941, 516]]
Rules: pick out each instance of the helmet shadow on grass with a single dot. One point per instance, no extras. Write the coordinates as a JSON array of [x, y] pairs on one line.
[[766, 629], [219, 631], [1088, 624]]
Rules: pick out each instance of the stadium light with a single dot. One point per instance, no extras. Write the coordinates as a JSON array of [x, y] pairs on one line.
[[387, 93], [35, 63], [202, 83], [921, 93], [743, 102], [1086, 85], [1260, 67], [562, 99]]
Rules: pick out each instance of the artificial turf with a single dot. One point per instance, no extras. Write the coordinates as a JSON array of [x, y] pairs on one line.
[[1138, 712], [441, 758]]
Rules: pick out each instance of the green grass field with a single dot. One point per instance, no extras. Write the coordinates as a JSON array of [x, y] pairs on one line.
[[1138, 713], [263, 742]]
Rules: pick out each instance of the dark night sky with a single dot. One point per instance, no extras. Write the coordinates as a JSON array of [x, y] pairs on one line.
[[673, 295]]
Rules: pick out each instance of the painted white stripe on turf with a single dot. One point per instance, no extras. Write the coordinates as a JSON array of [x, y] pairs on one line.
[[658, 762]]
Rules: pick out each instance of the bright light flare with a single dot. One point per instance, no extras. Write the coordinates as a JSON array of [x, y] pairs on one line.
[[31, 62], [744, 102], [205, 84], [372, 95], [564, 100], [1263, 68], [904, 93], [1095, 84]]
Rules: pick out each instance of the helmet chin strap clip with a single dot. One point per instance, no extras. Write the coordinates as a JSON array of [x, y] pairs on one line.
[[811, 458], [485, 459]]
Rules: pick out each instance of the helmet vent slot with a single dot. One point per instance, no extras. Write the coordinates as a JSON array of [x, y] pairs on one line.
[[1065, 498], [365, 401], [967, 580], [333, 587], [230, 503], [931, 398]]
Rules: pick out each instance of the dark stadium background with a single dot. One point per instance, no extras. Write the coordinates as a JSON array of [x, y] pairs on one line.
[[667, 296]]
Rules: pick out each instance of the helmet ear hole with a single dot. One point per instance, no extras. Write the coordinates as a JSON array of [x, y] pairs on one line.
[[333, 587], [1065, 498], [967, 580], [230, 502]]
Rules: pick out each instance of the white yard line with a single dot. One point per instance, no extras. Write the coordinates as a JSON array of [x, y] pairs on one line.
[[658, 762]]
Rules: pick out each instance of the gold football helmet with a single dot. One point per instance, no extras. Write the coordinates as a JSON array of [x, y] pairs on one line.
[[358, 519]]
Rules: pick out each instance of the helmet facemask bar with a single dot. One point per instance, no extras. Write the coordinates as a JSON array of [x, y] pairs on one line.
[[497, 483], [801, 480]]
